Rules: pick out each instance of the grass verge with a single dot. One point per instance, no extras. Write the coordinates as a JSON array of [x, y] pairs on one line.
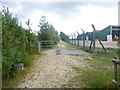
[[98, 73], [13, 82]]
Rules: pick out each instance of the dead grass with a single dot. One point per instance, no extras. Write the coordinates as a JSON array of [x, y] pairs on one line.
[[66, 46]]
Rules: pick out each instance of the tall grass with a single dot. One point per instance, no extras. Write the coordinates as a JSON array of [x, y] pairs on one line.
[[13, 82], [99, 71]]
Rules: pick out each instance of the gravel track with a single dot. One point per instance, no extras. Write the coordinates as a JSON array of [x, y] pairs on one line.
[[52, 71]]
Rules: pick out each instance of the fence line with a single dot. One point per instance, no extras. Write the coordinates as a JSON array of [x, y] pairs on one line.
[[106, 44]]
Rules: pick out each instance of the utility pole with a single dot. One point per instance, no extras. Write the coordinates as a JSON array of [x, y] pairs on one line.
[[83, 38]]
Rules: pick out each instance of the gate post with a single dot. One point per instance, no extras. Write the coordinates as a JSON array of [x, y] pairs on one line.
[[39, 46]]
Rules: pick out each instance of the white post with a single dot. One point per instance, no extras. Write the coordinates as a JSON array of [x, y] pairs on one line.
[[39, 46]]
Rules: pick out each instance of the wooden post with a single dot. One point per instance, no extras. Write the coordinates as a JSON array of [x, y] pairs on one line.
[[116, 80], [115, 71], [90, 45], [78, 39], [94, 37], [83, 38], [74, 38], [101, 44]]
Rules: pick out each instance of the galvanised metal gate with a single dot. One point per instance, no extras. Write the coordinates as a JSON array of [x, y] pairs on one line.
[[45, 44]]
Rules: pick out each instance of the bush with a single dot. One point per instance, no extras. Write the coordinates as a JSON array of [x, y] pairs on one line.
[[17, 43]]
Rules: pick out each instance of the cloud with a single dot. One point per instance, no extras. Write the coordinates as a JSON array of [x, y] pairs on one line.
[[62, 0], [15, 7], [24, 9], [101, 17], [68, 17], [61, 8]]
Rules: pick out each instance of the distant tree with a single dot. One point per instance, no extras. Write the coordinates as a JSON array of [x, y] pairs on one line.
[[47, 31], [43, 24], [64, 37]]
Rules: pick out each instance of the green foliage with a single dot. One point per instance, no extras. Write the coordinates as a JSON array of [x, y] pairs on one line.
[[64, 37], [47, 31], [17, 43]]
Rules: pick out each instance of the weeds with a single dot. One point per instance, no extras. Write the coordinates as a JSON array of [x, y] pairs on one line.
[[13, 82], [98, 73]]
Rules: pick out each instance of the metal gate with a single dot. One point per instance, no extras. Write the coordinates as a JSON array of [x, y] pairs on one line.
[[45, 44]]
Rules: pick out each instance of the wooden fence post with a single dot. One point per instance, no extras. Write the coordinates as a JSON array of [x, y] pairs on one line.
[[116, 80], [78, 39], [83, 38], [74, 38], [94, 37], [93, 40]]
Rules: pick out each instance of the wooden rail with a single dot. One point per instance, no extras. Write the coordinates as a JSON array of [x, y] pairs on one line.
[[116, 79]]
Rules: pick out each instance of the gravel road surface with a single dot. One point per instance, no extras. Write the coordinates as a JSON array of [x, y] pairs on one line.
[[51, 70]]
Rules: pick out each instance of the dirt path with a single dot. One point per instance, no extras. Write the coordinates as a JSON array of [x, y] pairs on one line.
[[52, 71]]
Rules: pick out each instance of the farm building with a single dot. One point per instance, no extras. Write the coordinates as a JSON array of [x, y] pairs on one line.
[[87, 35], [109, 33], [80, 37]]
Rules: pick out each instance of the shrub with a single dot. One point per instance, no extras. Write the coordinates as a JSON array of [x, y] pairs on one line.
[[17, 43]]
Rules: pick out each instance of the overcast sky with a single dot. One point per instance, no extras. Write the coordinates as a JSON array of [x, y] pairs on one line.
[[66, 16]]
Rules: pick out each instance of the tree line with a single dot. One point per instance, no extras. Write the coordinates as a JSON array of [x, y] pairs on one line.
[[64, 37], [47, 31], [19, 43]]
